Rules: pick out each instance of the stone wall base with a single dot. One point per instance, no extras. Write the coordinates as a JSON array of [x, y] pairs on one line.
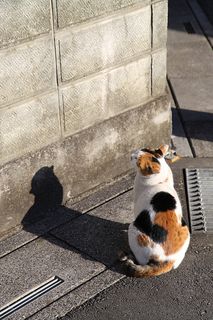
[[81, 162]]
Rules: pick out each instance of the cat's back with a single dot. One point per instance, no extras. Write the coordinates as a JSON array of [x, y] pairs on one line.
[[145, 197]]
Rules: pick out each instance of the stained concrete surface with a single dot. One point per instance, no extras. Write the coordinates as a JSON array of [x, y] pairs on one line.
[[100, 149]]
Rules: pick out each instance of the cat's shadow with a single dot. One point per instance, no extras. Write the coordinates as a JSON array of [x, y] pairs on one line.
[[95, 238]]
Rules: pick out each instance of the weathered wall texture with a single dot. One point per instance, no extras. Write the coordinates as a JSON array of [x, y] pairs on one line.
[[73, 77]]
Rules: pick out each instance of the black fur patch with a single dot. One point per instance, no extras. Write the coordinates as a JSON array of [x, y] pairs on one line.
[[158, 234], [163, 201], [154, 153], [183, 222], [143, 222], [159, 152], [153, 262], [130, 270], [147, 150], [155, 160]]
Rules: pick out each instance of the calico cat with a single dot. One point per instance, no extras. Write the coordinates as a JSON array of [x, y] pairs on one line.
[[158, 237]]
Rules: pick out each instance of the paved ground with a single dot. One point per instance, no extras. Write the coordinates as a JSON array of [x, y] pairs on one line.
[[190, 75], [183, 294], [86, 236]]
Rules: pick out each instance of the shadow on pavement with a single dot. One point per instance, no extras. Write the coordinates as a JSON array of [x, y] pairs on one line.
[[197, 124], [94, 238], [207, 6]]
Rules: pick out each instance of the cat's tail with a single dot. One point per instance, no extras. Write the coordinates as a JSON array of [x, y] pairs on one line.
[[148, 270]]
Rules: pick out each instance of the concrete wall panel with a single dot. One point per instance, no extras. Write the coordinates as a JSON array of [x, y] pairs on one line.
[[76, 11], [96, 99], [26, 70], [88, 50], [23, 19], [160, 22], [82, 83], [159, 72], [28, 127], [129, 85]]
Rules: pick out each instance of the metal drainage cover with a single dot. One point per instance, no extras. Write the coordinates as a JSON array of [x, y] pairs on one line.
[[29, 296], [200, 199]]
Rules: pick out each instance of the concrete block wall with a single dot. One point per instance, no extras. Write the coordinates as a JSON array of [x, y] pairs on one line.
[[66, 66]]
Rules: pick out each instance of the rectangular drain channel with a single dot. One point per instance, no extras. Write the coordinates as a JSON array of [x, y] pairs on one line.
[[29, 296], [199, 184]]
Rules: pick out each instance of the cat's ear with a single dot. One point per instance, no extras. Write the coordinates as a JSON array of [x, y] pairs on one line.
[[163, 150]]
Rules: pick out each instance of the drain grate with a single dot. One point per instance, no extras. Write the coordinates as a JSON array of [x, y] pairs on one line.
[[200, 199], [29, 296]]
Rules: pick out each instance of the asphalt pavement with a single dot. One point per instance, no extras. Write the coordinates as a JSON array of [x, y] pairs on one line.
[[185, 293]]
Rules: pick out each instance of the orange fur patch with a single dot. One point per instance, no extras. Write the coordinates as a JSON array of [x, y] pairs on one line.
[[144, 240], [164, 149], [147, 165], [156, 270], [177, 234]]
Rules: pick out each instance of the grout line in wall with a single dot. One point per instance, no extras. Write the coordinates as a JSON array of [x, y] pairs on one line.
[[108, 16], [102, 19], [151, 49], [69, 82], [63, 113], [33, 153], [22, 42], [57, 69], [145, 101], [152, 20], [83, 24], [59, 59], [151, 78], [107, 69], [20, 102], [56, 9]]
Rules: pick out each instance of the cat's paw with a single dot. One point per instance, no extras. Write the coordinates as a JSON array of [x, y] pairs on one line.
[[130, 267], [122, 256], [144, 240]]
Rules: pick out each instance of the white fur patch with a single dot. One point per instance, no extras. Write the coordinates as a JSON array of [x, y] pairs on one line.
[[144, 189]]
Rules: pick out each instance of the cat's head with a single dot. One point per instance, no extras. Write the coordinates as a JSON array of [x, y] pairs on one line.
[[150, 162]]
